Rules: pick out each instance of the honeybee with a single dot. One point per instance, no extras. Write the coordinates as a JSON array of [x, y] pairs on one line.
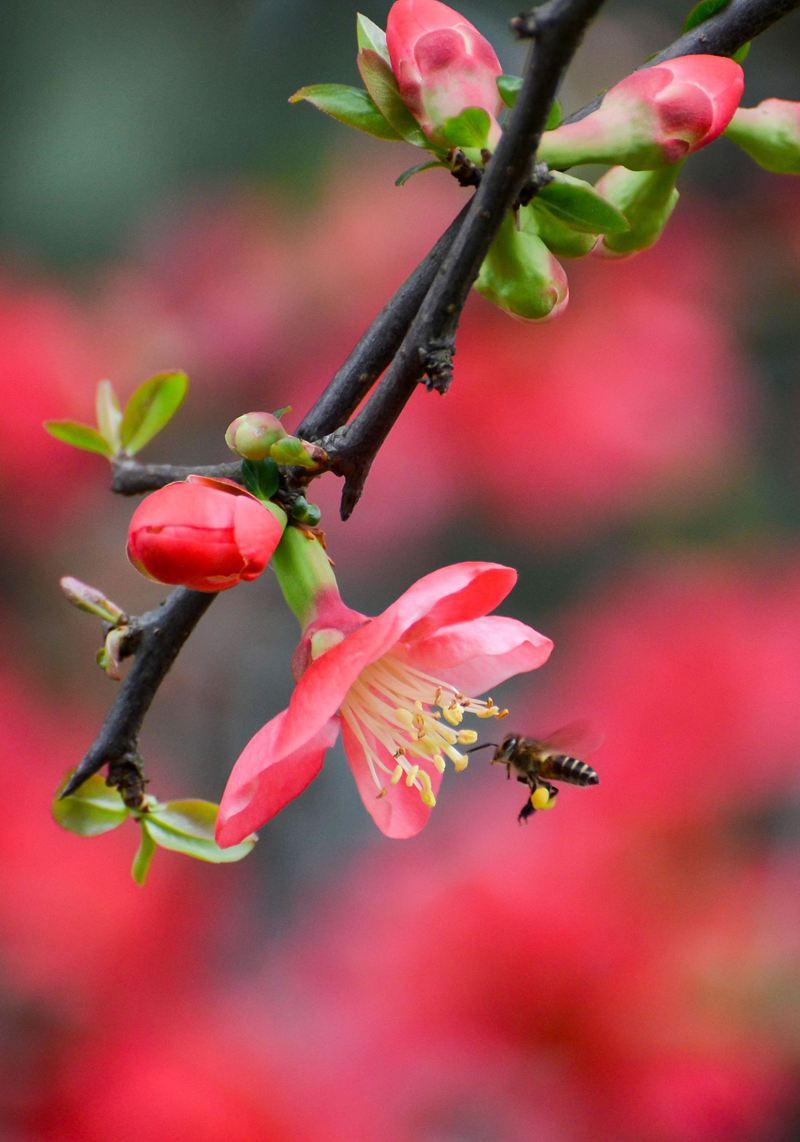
[[537, 762]]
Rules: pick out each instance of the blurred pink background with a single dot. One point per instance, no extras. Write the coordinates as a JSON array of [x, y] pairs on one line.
[[623, 968]]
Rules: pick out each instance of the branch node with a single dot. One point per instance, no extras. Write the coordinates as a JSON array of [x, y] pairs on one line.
[[127, 774], [525, 26], [439, 366]]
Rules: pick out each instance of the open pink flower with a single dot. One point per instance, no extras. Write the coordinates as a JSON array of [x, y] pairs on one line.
[[399, 685]]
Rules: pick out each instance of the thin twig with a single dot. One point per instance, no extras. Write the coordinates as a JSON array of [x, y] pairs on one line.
[[158, 637], [130, 478]]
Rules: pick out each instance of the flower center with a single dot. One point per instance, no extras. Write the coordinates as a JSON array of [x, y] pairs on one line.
[[406, 722]]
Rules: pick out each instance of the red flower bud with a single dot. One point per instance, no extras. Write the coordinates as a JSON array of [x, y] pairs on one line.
[[655, 116], [205, 534], [442, 64]]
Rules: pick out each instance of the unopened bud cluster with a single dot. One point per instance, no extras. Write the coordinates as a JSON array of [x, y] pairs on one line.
[[433, 80], [261, 436]]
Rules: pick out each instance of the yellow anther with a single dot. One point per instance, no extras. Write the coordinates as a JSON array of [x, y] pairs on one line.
[[437, 696], [426, 793], [489, 712], [438, 761], [411, 775], [540, 798], [399, 752], [466, 737], [405, 717], [397, 774], [453, 714], [382, 793], [460, 761], [502, 713]]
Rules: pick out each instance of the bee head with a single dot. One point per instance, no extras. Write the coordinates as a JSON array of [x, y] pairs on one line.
[[508, 746]]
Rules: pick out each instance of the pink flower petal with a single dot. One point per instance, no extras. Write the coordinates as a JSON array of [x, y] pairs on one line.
[[264, 779], [401, 813], [478, 655], [458, 593]]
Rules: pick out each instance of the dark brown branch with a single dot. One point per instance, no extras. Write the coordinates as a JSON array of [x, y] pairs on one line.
[[130, 478], [156, 638], [428, 347], [378, 346]]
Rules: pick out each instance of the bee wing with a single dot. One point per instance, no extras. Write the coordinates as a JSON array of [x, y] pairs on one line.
[[577, 739]]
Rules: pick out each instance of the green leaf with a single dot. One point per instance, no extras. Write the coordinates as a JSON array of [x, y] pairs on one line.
[[554, 116], [470, 128], [744, 51], [151, 408], [144, 857], [109, 415], [403, 178], [381, 84], [349, 105], [701, 12], [94, 808], [188, 827], [579, 205], [82, 436], [509, 86], [260, 477], [371, 37]]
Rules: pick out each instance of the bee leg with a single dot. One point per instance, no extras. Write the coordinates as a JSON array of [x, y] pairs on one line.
[[526, 811]]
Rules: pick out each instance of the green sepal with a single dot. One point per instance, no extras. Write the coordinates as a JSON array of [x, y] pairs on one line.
[[381, 84], [93, 809], [371, 37], [403, 178], [150, 408], [109, 415], [188, 827], [579, 205], [560, 238], [349, 105], [470, 128], [260, 477], [144, 856], [81, 436], [509, 88]]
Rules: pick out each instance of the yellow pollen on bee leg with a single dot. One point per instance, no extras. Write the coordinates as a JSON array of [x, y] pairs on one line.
[[540, 797], [551, 804]]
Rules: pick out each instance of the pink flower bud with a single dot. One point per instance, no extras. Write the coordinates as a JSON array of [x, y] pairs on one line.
[[655, 116], [442, 65], [253, 434], [205, 534]]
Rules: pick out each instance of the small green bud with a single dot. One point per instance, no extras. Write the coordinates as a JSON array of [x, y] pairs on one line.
[[89, 599], [646, 198], [770, 134], [305, 512], [521, 276], [253, 434], [293, 452]]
